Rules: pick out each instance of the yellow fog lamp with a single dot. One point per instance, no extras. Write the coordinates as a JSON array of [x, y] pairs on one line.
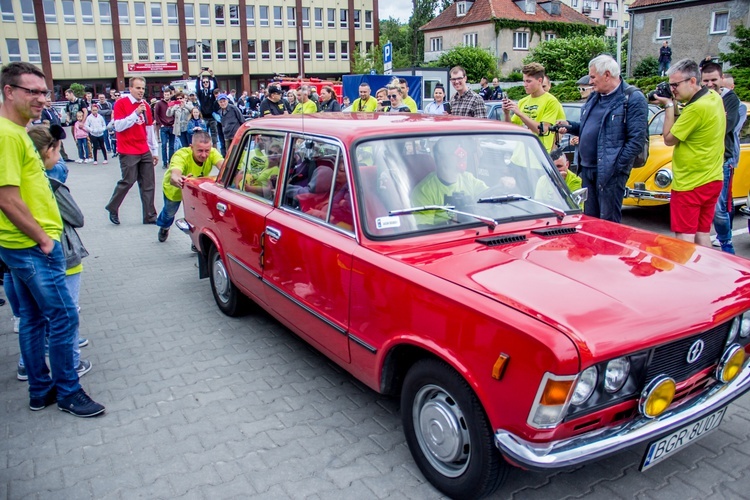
[[657, 396], [730, 364]]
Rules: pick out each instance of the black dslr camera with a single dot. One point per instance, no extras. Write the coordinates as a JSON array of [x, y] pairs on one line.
[[551, 128], [661, 90]]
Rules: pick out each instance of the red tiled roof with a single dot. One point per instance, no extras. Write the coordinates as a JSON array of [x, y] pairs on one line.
[[650, 3], [484, 11]]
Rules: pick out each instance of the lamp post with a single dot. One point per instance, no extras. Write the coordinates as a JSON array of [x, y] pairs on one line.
[[619, 33], [199, 51]]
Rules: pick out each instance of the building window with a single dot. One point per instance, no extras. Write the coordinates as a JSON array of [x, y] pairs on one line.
[[549, 36], [14, 49], [368, 47], [368, 19], [318, 17], [206, 50], [344, 51], [251, 50], [122, 11], [108, 50], [470, 39], [626, 25], [159, 50], [55, 50], [234, 15], [279, 49], [105, 13], [27, 16], [357, 20], [172, 14], [574, 4], [331, 18], [292, 50], [250, 14], [344, 18], [73, 55], [306, 50], [265, 50], [263, 13], [436, 44], [331, 51], [139, 13], [278, 20], [521, 40], [69, 12], [221, 50], [127, 49], [155, 13], [32, 47], [205, 12], [719, 22], [461, 8], [87, 12], [305, 17], [236, 52], [6, 7], [664, 28], [143, 49], [219, 14], [319, 50], [189, 14], [50, 12], [174, 50], [91, 53], [611, 23], [291, 17], [191, 50]]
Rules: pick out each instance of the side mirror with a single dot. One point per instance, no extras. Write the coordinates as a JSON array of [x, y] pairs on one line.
[[580, 195]]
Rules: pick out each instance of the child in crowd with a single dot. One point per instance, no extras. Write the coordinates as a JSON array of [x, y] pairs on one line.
[[96, 127], [195, 124], [82, 139]]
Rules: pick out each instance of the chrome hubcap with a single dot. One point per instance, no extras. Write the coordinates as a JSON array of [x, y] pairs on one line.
[[221, 280]]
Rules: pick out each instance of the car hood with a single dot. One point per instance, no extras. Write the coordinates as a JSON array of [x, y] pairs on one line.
[[608, 287]]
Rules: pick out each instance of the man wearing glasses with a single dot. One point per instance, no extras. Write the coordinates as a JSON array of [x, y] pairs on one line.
[[465, 102], [30, 230], [697, 134]]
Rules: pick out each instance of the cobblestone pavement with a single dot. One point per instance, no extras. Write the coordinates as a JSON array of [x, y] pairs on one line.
[[200, 405]]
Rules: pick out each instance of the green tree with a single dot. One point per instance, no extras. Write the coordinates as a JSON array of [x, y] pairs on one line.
[[373, 59], [648, 66], [476, 61], [423, 11], [739, 54], [398, 34], [78, 89], [567, 58]]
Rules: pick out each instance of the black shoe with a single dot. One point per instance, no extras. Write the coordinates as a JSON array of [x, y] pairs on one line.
[[80, 405], [163, 234], [68, 160], [193, 249], [114, 219], [149, 221], [2, 301], [36, 404]]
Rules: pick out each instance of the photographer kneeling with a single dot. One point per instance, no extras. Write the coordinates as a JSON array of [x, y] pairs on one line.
[[612, 133]]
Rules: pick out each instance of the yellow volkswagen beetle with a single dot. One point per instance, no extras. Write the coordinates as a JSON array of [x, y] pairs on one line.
[[652, 184]]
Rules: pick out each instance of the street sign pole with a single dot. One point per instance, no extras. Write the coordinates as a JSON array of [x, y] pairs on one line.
[[388, 58]]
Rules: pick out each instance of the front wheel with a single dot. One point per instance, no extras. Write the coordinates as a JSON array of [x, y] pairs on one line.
[[448, 433], [229, 299]]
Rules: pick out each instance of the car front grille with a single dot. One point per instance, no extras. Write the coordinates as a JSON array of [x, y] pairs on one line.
[[671, 359]]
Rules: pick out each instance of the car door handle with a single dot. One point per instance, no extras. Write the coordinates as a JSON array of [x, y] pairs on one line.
[[221, 207], [272, 232]]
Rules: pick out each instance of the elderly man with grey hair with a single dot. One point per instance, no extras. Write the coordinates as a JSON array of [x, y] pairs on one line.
[[612, 133]]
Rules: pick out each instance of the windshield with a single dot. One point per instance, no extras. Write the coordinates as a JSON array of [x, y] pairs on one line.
[[450, 173]]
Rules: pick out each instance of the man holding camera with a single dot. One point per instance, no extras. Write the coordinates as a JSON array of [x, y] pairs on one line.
[[697, 135], [206, 84], [612, 133]]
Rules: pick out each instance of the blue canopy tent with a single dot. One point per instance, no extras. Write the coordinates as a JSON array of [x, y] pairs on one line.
[[351, 85]]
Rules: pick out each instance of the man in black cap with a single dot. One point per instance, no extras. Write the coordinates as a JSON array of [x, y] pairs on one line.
[[273, 104], [584, 87]]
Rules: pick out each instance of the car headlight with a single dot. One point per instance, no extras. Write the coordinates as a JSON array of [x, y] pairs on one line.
[[663, 178], [734, 329], [585, 386], [616, 374], [745, 326]]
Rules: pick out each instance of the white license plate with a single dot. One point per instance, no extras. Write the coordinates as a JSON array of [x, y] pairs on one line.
[[668, 445]]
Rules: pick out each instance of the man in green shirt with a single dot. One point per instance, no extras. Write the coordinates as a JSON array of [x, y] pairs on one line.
[[365, 102], [305, 105], [196, 160], [411, 103], [30, 229]]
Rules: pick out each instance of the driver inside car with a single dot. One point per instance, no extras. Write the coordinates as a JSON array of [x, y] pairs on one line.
[[449, 184]]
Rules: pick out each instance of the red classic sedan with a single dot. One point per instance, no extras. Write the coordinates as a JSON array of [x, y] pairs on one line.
[[444, 260]]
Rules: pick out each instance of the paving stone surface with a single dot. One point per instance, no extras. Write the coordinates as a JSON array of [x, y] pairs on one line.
[[200, 405]]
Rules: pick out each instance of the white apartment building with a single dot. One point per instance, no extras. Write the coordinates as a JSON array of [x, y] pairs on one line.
[[101, 44]]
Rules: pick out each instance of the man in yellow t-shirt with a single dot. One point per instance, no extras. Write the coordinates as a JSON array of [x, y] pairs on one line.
[[410, 103], [30, 230], [365, 102], [538, 107], [697, 134], [196, 160], [305, 105]]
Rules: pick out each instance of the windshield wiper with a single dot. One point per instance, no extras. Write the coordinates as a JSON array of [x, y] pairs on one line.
[[492, 223], [519, 197]]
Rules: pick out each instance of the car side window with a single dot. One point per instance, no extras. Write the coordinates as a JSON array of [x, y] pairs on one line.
[[258, 166], [317, 184]]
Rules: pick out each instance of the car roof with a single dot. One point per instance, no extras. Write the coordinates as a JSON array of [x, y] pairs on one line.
[[350, 126]]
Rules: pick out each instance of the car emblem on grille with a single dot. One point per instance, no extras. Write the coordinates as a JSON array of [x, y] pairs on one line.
[[695, 351]]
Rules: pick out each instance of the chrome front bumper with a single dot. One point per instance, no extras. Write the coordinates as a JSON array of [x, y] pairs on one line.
[[597, 444], [644, 194]]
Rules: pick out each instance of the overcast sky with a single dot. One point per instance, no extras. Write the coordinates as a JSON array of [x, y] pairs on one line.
[[400, 9]]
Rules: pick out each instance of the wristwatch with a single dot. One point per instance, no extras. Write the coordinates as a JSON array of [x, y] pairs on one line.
[[669, 105]]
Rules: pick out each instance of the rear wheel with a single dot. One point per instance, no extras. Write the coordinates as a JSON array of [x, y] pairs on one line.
[[229, 299], [448, 433]]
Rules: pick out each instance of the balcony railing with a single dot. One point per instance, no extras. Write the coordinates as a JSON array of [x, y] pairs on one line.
[[586, 9], [607, 12]]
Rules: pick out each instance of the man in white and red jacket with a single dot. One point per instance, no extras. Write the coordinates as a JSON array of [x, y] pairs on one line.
[[136, 145]]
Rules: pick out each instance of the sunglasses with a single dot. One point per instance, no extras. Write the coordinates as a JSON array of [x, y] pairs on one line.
[[392, 96], [583, 89]]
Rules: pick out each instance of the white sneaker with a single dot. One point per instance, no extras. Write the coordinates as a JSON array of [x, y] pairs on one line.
[[95, 162], [105, 162], [16, 324], [87, 160], [79, 161]]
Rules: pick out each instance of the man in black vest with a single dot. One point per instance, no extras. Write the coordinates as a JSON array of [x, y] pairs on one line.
[[205, 85]]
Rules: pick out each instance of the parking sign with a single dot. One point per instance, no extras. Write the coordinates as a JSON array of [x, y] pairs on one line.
[[387, 58]]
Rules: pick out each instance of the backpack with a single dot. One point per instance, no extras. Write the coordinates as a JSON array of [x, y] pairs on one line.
[[642, 157]]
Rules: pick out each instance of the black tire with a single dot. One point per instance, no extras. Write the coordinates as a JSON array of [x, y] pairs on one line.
[[229, 299], [461, 460]]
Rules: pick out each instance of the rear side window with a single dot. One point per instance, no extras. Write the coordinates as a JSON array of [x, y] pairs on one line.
[[257, 167]]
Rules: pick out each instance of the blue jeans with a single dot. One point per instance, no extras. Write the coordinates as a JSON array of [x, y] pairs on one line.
[[83, 148], [10, 293], [43, 297], [725, 210], [167, 144], [166, 216]]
